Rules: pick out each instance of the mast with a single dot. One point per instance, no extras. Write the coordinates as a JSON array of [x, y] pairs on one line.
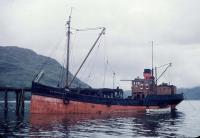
[[153, 82], [152, 59], [156, 80], [113, 80], [68, 50], [156, 76]]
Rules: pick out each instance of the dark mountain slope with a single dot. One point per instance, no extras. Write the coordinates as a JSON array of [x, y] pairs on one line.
[[190, 93], [18, 66]]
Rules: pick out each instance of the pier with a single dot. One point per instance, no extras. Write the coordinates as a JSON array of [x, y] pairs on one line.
[[20, 98]]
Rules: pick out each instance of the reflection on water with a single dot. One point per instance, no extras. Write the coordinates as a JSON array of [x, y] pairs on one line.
[[113, 125], [96, 125]]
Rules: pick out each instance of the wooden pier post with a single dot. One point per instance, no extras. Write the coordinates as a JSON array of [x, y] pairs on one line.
[[20, 97], [6, 102], [20, 102], [17, 102]]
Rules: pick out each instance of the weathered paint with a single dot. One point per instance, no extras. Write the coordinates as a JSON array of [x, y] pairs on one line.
[[41, 104]]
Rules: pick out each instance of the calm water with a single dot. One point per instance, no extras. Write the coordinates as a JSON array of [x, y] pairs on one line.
[[185, 122]]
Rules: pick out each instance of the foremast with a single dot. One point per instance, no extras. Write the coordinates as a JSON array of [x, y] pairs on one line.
[[68, 83], [68, 51]]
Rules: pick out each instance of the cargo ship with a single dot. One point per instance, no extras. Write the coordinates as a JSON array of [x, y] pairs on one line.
[[146, 94]]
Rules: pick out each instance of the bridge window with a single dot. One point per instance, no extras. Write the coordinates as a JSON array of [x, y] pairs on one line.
[[147, 86], [141, 86], [138, 83]]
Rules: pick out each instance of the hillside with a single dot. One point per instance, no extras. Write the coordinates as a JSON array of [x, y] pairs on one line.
[[18, 66], [190, 93]]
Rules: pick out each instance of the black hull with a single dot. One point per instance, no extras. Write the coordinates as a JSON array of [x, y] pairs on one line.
[[72, 95]]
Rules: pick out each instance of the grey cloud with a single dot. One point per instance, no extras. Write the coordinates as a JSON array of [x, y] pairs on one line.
[[130, 26]]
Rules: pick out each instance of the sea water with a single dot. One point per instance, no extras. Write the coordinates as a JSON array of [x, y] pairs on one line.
[[184, 122]]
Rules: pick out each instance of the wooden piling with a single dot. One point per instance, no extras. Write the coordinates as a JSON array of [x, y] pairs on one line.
[[20, 97], [17, 102], [20, 102], [6, 102], [21, 108]]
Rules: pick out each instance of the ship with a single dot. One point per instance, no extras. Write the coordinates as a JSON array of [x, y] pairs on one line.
[[146, 94]]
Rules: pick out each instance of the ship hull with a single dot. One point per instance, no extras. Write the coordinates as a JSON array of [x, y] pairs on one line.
[[47, 100], [42, 104]]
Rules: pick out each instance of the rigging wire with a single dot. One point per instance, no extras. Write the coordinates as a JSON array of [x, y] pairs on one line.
[[78, 30], [48, 59], [105, 72], [87, 29], [109, 66], [169, 76], [163, 65], [165, 76], [72, 51], [106, 62], [104, 67], [187, 99], [92, 64], [190, 103], [63, 75], [62, 70]]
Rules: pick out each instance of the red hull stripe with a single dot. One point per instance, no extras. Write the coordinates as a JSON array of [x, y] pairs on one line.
[[41, 104]]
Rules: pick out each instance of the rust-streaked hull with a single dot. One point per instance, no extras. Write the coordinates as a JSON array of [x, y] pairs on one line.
[[42, 104], [51, 100]]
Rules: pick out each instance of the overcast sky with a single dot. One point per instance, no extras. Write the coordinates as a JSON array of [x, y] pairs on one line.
[[131, 25]]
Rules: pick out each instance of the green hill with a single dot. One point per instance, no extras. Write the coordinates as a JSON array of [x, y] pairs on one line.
[[18, 66], [190, 93]]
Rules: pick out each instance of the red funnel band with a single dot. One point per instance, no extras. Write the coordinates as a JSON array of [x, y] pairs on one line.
[[147, 75]]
